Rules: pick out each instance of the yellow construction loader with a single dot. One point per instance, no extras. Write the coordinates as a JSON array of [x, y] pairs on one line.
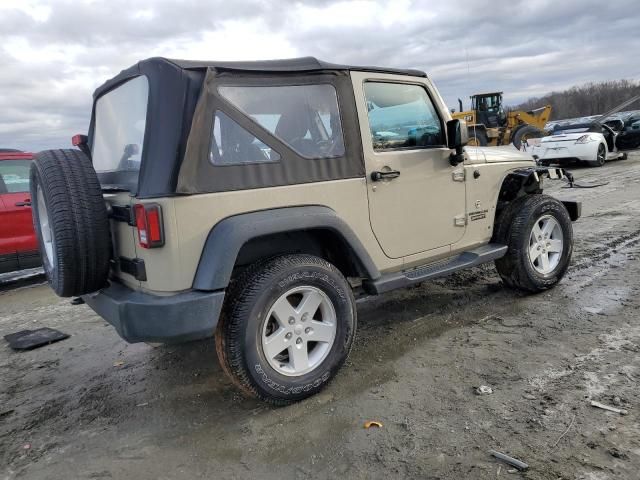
[[489, 124]]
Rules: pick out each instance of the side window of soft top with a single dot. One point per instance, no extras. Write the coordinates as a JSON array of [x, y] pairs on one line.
[[305, 117], [231, 144]]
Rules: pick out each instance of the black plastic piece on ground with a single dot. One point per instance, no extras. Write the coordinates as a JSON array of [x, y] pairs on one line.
[[77, 301], [30, 339]]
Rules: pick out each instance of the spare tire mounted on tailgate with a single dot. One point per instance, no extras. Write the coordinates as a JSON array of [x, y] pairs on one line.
[[71, 222]]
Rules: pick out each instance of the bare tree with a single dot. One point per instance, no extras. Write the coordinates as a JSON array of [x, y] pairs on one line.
[[584, 100]]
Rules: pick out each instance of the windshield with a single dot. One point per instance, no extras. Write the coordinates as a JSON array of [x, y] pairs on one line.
[[120, 120]]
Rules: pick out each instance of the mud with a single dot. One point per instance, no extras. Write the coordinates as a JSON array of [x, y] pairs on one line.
[[94, 407]]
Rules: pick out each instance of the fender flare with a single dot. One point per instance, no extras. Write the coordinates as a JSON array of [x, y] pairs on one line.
[[529, 181], [228, 236]]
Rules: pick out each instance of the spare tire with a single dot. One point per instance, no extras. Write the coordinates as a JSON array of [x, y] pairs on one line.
[[71, 222], [524, 133]]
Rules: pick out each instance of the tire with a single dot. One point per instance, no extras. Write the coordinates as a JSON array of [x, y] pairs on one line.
[[247, 322], [477, 138], [601, 157], [70, 221], [524, 133], [515, 225]]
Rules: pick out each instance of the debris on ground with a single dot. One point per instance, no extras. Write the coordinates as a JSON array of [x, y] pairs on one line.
[[372, 423], [621, 411], [565, 432], [484, 390], [514, 462], [118, 364], [30, 339]]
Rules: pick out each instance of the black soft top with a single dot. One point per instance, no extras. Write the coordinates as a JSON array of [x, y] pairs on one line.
[[301, 64], [174, 89]]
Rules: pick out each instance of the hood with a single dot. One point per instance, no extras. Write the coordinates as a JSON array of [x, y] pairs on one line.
[[506, 153]]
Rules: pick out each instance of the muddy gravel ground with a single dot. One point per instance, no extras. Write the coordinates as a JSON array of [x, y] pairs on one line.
[[93, 406]]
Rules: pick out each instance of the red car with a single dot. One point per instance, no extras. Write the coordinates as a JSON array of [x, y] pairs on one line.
[[18, 245]]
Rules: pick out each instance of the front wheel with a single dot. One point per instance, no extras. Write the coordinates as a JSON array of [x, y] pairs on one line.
[[538, 231], [287, 328]]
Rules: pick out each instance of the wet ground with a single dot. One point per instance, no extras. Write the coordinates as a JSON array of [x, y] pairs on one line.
[[93, 406]]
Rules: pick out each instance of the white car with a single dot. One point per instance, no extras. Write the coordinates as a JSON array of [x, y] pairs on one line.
[[592, 143]]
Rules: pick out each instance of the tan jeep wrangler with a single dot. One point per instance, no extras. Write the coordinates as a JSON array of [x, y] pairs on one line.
[[237, 198]]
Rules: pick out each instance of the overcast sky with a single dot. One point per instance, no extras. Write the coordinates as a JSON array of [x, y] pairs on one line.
[[55, 53]]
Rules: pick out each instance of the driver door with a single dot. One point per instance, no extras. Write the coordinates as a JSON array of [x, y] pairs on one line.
[[416, 203]]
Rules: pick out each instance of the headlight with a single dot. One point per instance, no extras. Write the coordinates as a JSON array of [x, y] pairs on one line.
[[585, 139]]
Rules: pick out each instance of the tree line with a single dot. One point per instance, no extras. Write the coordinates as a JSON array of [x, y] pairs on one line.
[[584, 100]]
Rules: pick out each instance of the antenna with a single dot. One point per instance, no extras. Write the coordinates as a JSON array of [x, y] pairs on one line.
[[466, 53]]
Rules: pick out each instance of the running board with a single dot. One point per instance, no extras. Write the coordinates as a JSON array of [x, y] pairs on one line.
[[469, 259]]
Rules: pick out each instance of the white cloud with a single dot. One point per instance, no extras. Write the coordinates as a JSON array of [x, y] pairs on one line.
[[55, 53]]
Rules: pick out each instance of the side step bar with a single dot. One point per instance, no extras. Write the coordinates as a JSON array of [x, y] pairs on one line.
[[391, 281]]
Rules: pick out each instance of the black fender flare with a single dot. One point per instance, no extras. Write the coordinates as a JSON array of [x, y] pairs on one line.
[[228, 236], [526, 181]]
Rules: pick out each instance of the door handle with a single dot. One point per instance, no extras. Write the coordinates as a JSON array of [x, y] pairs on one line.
[[385, 175], [26, 203]]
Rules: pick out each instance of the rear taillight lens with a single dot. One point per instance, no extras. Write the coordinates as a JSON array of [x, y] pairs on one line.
[[149, 224], [79, 140], [585, 139]]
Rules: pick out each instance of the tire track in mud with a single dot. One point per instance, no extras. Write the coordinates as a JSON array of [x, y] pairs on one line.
[[617, 245]]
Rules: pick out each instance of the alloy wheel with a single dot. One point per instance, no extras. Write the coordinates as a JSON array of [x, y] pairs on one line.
[[545, 244], [299, 330]]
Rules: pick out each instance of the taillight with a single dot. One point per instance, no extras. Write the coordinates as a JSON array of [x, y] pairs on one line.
[[79, 140], [149, 224]]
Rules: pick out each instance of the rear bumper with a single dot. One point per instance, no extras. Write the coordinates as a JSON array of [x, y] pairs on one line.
[[566, 151], [141, 317]]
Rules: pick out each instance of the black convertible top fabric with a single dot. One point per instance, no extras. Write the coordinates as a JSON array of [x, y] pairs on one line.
[[175, 86], [301, 64]]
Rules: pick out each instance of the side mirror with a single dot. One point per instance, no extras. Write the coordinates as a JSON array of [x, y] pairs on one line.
[[457, 138]]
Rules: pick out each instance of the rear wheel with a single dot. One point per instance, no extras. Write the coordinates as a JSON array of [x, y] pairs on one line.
[[538, 231], [601, 157], [70, 221], [287, 328], [477, 138], [525, 133]]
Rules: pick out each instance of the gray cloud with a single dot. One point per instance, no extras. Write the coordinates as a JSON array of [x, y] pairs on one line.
[[54, 60]]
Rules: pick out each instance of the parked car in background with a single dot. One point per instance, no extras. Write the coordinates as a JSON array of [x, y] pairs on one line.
[[592, 143], [18, 245], [629, 131]]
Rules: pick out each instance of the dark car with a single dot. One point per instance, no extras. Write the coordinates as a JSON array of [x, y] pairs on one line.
[[628, 137], [18, 245]]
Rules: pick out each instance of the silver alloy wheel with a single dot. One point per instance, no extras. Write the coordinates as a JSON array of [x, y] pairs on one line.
[[45, 227], [545, 244], [299, 331], [601, 155]]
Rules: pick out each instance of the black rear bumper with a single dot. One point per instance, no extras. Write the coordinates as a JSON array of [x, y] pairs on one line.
[[141, 317]]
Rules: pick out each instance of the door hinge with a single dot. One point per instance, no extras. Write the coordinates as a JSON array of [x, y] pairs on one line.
[[460, 220], [458, 175]]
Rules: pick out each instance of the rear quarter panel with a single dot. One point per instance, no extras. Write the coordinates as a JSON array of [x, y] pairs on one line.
[[189, 219]]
